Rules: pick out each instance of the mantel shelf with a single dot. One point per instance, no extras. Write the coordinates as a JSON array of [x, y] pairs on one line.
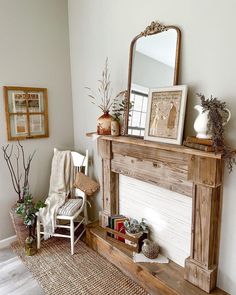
[[162, 146]]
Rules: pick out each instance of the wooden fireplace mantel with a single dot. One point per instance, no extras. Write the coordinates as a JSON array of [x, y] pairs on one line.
[[194, 173]]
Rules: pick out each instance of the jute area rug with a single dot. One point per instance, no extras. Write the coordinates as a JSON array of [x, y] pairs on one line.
[[86, 272]]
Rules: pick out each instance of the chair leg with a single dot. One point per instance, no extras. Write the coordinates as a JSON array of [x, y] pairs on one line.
[[72, 236], [85, 213], [38, 234]]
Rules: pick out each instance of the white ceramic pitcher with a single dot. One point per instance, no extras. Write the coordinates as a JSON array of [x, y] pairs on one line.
[[201, 122]]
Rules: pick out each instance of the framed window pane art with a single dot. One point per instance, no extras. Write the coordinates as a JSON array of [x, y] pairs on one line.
[[26, 112]]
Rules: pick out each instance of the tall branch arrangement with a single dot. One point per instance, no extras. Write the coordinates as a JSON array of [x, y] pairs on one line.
[[217, 109], [13, 154]]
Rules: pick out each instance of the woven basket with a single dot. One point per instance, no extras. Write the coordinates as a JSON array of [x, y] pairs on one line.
[[21, 230]]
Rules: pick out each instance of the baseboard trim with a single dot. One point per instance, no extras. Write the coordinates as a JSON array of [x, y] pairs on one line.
[[7, 242]]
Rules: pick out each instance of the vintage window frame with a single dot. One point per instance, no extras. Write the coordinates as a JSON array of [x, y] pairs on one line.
[[181, 115], [43, 113]]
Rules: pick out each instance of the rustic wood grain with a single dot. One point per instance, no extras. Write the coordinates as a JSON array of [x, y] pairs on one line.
[[110, 183], [206, 219], [205, 170], [200, 277], [157, 279], [161, 146], [104, 148], [179, 169], [151, 153], [201, 267], [164, 173], [202, 224]]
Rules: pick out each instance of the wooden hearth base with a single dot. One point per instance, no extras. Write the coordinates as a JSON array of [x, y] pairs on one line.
[[157, 279]]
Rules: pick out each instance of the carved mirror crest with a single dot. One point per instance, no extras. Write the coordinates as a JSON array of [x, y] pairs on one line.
[[153, 63]]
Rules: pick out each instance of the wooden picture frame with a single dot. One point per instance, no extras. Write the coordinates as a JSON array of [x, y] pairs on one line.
[[26, 111], [165, 114]]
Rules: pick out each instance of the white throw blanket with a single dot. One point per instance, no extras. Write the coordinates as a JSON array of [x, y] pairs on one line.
[[61, 184]]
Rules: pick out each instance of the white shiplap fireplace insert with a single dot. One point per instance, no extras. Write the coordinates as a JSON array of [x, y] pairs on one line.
[[167, 213]]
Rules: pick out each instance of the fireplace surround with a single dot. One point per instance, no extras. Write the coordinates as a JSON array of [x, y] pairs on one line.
[[194, 173]]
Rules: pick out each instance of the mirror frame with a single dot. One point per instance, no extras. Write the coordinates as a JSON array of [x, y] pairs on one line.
[[154, 28]]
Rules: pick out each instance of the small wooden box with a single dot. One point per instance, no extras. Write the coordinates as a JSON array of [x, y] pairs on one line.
[[137, 241]]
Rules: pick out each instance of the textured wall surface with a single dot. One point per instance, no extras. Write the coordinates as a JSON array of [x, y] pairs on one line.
[[34, 51]]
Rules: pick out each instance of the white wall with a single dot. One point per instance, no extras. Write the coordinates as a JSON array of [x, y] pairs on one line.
[[34, 51], [100, 28]]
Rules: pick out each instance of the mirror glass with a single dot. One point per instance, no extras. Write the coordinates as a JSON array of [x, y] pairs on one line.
[[153, 65]]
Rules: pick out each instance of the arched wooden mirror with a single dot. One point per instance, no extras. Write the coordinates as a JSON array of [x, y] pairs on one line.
[[154, 63]]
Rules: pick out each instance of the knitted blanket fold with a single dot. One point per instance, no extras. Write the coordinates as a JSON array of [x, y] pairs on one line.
[[61, 184]]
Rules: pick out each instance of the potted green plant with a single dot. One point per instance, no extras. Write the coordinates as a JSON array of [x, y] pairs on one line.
[[118, 110], [134, 228], [218, 115], [27, 210]]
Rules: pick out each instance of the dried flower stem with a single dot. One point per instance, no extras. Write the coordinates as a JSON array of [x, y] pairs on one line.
[[105, 91], [216, 108]]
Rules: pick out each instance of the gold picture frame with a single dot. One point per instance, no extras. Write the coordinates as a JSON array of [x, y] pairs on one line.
[[26, 111], [165, 114]]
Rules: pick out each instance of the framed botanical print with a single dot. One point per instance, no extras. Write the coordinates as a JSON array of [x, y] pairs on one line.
[[165, 114], [26, 112]]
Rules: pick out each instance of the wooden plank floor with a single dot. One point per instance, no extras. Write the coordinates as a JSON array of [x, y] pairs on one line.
[[15, 279]]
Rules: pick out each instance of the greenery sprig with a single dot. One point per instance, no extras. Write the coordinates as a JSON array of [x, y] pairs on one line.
[[28, 209], [119, 107], [132, 226], [217, 111]]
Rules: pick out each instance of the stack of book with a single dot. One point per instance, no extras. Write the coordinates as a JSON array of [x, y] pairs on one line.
[[116, 222], [199, 144]]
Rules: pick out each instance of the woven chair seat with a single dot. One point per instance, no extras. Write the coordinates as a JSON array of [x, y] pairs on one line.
[[70, 207]]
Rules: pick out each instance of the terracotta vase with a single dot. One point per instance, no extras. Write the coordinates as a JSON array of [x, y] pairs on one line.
[[104, 124], [115, 128]]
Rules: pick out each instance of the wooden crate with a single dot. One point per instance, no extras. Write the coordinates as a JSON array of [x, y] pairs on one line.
[[137, 241]]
